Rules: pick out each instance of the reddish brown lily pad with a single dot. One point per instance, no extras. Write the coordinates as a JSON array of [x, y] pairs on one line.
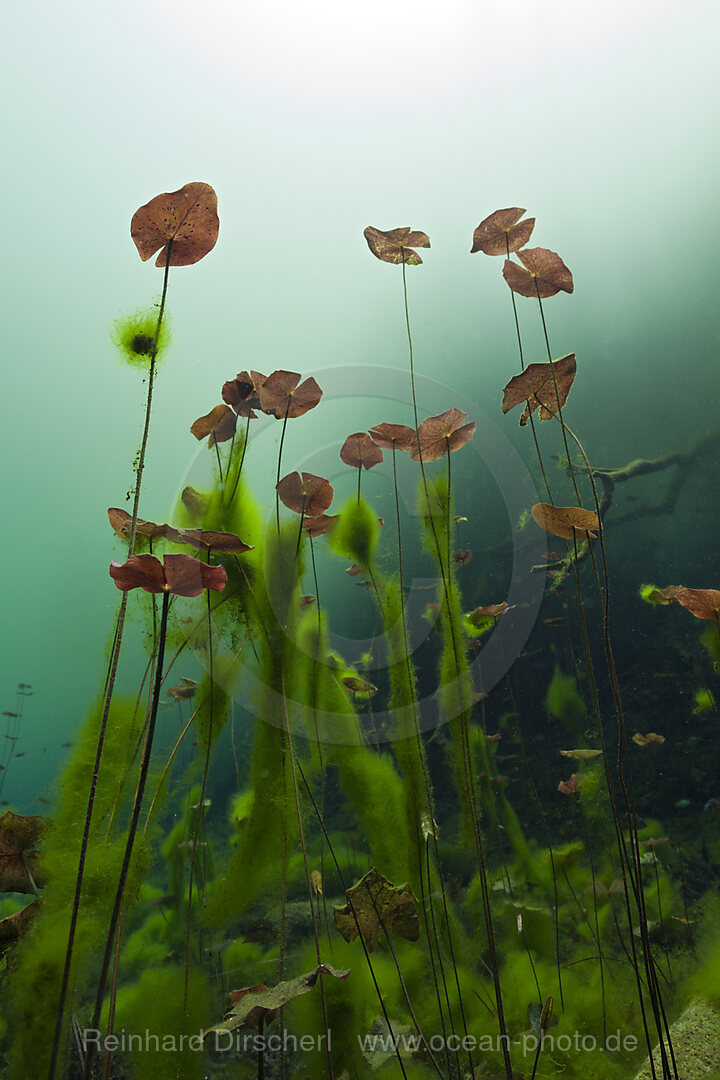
[[502, 232], [320, 525], [395, 245], [180, 575], [571, 786], [187, 217], [536, 388], [221, 542], [121, 522], [307, 494], [543, 272], [565, 521], [281, 396], [219, 424], [443, 433], [462, 557], [399, 436], [360, 452], [647, 739], [702, 603], [240, 393]]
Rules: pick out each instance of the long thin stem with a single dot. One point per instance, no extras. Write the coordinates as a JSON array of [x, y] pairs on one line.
[[464, 734], [282, 440], [112, 928], [201, 802], [109, 685]]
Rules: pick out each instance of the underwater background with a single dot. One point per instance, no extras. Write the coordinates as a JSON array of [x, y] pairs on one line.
[[312, 122]]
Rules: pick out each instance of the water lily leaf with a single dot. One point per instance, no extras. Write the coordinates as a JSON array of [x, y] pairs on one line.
[[571, 786], [395, 245], [308, 494], [388, 436], [121, 522], [222, 542], [565, 521], [647, 739], [19, 838], [320, 525], [378, 905], [356, 685], [502, 232], [535, 387], [178, 574], [188, 217], [702, 603], [543, 272], [241, 394], [219, 424], [581, 754], [440, 434], [255, 1003], [492, 611], [184, 691], [360, 451], [280, 395]]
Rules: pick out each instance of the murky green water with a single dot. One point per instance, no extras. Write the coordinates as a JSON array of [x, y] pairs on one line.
[[448, 748]]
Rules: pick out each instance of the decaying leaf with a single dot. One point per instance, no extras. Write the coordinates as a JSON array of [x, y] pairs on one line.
[[14, 926], [543, 273], [388, 436], [616, 888], [381, 1040], [281, 396], [360, 452], [490, 611], [307, 494], [395, 245], [581, 754], [184, 691], [187, 217], [316, 882], [377, 905], [461, 557], [19, 838], [566, 521], [536, 388], [356, 685], [178, 574], [441, 434], [428, 825], [502, 232], [255, 1003]]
